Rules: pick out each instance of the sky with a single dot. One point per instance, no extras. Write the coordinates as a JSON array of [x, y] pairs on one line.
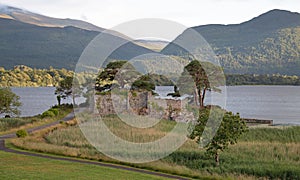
[[110, 13]]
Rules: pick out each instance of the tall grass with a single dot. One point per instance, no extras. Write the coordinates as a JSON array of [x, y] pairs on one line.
[[282, 134], [8, 125], [261, 152]]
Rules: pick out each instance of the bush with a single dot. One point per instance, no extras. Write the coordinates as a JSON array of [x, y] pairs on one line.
[[21, 133], [55, 111], [48, 114]]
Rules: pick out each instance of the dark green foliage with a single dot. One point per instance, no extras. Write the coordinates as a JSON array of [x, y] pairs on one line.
[[194, 81], [116, 64], [69, 86], [21, 133], [160, 80], [111, 76], [175, 94], [63, 107], [253, 79], [143, 83], [198, 78], [229, 131], [64, 88], [9, 102], [55, 111], [48, 114]]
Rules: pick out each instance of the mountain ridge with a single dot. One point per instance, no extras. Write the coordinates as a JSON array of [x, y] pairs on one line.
[[250, 46], [266, 44], [29, 17], [59, 47]]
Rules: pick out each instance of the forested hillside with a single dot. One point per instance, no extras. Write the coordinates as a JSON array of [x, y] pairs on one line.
[[21, 76], [267, 44], [42, 47]]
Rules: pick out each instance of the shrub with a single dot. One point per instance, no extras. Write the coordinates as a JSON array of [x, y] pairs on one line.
[[48, 114], [21, 133], [55, 111]]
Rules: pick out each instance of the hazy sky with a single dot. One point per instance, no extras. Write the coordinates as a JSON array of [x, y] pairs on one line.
[[109, 13]]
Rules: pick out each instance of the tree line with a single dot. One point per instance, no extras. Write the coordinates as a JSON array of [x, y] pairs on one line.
[[262, 79], [24, 76]]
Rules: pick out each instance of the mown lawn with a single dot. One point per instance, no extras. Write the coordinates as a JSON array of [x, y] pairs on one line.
[[13, 166]]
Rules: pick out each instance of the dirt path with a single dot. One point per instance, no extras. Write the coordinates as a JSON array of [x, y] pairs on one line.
[[67, 118]]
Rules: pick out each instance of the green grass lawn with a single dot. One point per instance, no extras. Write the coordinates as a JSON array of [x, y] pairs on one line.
[[13, 166]]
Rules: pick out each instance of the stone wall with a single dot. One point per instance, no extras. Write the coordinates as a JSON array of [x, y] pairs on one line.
[[144, 104], [138, 102], [111, 104]]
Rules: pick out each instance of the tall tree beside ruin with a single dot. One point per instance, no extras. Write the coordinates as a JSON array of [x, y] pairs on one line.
[[228, 133], [195, 80], [116, 74]]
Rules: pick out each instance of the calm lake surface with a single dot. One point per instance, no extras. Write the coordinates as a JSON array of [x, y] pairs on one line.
[[36, 100], [278, 103]]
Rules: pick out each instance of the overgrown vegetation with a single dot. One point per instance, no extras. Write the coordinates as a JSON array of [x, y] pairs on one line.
[[261, 152], [53, 114], [9, 123], [231, 127]]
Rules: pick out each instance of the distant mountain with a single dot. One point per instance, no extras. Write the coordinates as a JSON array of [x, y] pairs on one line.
[[41, 47], [25, 16], [38, 41], [269, 43], [155, 45]]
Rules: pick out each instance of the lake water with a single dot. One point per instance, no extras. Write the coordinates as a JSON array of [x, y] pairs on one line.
[[36, 100], [278, 103]]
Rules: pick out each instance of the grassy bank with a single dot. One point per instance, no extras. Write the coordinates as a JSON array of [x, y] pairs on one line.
[[261, 152], [14, 166], [10, 125]]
